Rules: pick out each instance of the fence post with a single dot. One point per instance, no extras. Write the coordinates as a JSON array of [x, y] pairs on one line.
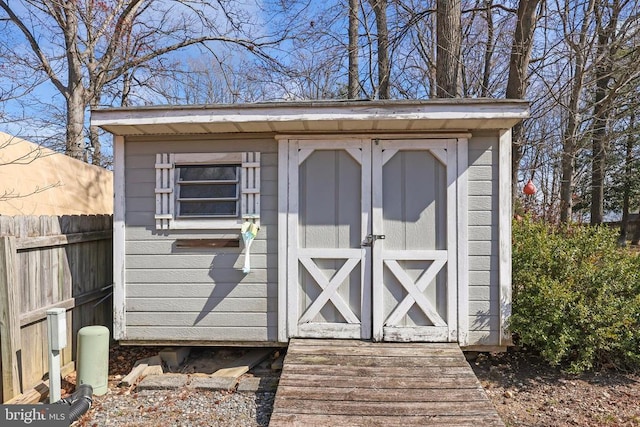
[[9, 319]]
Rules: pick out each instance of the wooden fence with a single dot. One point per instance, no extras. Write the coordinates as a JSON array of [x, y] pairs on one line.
[[49, 262]]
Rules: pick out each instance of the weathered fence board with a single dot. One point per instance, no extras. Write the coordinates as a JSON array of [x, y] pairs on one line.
[[49, 262], [9, 324]]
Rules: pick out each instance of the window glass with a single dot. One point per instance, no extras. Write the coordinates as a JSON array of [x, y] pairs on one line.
[[209, 173], [208, 190], [189, 191], [208, 208]]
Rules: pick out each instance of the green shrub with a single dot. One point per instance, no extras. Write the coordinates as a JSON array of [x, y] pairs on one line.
[[576, 296]]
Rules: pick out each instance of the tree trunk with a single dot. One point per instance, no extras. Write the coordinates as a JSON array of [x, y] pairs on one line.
[[75, 91], [598, 144], [488, 52], [75, 127], [569, 143], [603, 69], [635, 240], [568, 168], [126, 89], [570, 137], [518, 75], [626, 192], [96, 148], [449, 39], [354, 79], [94, 140], [384, 69]]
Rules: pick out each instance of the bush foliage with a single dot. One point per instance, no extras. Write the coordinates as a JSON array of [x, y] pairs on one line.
[[576, 296]]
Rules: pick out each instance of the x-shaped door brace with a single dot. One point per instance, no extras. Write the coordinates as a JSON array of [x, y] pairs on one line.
[[329, 290], [415, 292]]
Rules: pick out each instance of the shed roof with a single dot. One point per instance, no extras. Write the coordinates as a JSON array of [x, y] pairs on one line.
[[314, 116]]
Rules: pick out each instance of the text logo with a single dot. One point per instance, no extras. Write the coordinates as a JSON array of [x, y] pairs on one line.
[[34, 415]]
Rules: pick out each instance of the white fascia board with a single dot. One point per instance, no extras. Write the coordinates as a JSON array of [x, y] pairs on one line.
[[282, 113]]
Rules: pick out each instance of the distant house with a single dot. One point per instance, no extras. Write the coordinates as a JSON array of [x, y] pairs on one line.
[[37, 181], [381, 220]]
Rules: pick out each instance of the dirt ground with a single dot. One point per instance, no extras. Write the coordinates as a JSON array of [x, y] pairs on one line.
[[526, 392]]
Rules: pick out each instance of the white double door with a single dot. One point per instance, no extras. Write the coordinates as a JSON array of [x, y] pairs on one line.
[[371, 239]]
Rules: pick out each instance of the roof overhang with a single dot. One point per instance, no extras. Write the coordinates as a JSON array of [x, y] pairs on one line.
[[314, 117]]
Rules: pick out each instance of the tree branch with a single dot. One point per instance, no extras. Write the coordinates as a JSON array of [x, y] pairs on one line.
[[35, 47]]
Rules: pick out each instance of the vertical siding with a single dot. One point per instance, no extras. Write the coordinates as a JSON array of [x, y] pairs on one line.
[[178, 294], [484, 298]]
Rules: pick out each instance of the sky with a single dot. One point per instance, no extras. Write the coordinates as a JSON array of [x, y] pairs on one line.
[[39, 115]]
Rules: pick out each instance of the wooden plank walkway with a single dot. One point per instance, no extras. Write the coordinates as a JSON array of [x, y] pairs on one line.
[[358, 383]]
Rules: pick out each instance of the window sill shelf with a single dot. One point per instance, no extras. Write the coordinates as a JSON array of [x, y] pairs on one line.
[[205, 224]]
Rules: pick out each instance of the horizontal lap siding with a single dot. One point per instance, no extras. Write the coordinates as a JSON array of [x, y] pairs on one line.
[[484, 307], [191, 294]]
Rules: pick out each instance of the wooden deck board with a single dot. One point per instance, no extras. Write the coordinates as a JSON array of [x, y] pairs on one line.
[[374, 361], [285, 420], [359, 383], [429, 372], [349, 381], [359, 394], [373, 351]]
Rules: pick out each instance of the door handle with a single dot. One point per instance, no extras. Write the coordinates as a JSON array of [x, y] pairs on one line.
[[368, 241]]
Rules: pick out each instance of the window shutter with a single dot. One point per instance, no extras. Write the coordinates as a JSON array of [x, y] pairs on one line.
[[250, 185], [164, 190]]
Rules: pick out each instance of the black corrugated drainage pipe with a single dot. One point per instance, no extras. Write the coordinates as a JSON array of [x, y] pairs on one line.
[[80, 401]]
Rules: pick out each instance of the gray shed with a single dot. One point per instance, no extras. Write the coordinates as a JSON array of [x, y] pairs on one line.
[[382, 220]]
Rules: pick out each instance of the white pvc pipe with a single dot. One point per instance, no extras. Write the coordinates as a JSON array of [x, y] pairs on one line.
[[57, 337]]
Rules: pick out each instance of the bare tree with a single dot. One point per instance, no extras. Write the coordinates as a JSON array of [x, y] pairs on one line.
[[579, 52], [488, 52], [616, 76], [519, 74], [354, 75], [382, 38], [605, 52], [449, 39], [83, 46], [202, 81], [635, 240], [627, 180]]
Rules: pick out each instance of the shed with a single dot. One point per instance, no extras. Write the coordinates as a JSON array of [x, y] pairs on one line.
[[378, 220]]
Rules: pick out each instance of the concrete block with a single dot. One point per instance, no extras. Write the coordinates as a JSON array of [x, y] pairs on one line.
[[149, 361], [163, 382], [255, 384], [213, 383], [153, 370], [174, 356]]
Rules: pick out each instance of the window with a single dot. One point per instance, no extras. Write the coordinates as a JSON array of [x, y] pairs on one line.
[[206, 190]]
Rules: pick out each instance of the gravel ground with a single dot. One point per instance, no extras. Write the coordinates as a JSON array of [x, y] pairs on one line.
[[183, 407], [525, 392]]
